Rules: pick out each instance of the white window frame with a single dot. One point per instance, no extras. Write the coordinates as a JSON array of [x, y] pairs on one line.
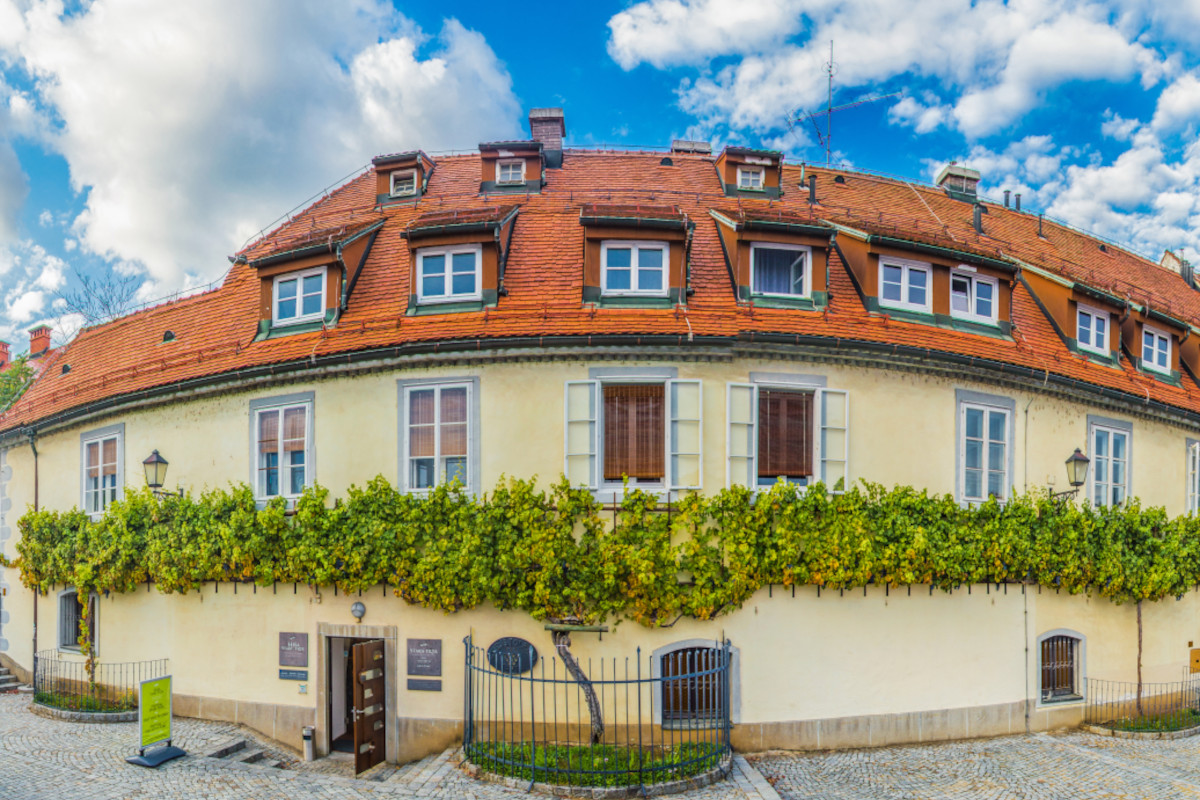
[[1160, 336], [68, 640], [281, 405], [973, 279], [449, 251], [399, 175], [1094, 313], [406, 422], [1006, 459], [746, 172], [99, 437], [1109, 484], [907, 267], [824, 456], [509, 162], [807, 268], [299, 278], [594, 441], [636, 246], [1193, 476]]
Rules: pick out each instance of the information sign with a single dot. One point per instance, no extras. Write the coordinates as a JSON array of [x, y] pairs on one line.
[[154, 711], [425, 657]]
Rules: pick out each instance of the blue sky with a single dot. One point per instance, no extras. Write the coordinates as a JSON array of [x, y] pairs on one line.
[[152, 139]]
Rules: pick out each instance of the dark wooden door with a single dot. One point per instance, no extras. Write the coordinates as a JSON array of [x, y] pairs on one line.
[[370, 710]]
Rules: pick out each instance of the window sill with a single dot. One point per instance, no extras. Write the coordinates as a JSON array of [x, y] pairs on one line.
[[1172, 378], [767, 192], [635, 301], [692, 724], [269, 330], [418, 309], [809, 303], [525, 187], [74, 651], [1066, 701]]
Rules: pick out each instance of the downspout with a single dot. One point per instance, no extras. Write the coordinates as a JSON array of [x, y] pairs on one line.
[[33, 447]]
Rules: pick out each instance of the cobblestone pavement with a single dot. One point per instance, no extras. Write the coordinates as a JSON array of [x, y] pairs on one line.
[[44, 759], [1062, 766]]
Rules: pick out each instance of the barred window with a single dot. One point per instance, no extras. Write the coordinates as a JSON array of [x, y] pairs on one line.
[[693, 687], [70, 611], [1060, 669]]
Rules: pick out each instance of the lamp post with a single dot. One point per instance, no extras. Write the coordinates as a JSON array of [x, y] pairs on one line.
[[156, 475], [1077, 467]]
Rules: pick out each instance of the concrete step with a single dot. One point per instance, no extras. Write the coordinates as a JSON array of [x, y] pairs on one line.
[[9, 683], [249, 755], [229, 748], [4, 671], [24, 689]]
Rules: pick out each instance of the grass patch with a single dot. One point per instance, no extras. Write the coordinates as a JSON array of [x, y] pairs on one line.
[[601, 765], [1158, 723], [83, 703]]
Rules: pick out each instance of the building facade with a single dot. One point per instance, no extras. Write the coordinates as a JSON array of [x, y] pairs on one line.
[[673, 321]]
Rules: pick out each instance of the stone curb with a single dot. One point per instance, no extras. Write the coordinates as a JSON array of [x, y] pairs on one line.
[[82, 716], [597, 792], [1100, 730]]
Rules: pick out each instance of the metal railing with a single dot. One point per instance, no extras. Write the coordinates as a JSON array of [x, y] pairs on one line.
[[1121, 705], [68, 684], [630, 722]]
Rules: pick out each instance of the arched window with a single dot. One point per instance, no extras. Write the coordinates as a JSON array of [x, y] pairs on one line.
[[699, 683], [1060, 662], [70, 610]]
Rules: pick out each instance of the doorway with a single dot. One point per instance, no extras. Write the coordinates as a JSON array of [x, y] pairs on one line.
[[357, 692]]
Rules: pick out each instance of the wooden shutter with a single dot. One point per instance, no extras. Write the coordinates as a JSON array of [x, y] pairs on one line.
[[833, 443], [634, 427], [785, 428], [686, 434], [741, 404], [581, 435]]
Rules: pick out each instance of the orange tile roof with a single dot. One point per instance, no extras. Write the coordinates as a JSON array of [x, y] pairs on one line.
[[214, 331]]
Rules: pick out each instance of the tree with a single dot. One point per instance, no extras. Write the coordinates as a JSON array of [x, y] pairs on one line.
[[100, 299], [13, 381]]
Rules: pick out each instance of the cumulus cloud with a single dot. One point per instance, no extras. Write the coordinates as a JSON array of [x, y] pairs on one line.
[[1179, 104], [29, 277], [189, 126]]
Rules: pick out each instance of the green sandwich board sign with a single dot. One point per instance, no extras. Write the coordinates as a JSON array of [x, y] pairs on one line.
[[154, 723]]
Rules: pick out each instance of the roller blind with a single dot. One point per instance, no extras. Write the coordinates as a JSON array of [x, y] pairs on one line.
[[634, 425], [785, 426]]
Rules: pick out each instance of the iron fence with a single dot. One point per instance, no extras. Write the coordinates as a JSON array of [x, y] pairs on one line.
[[69, 684], [1123, 705], [613, 722]]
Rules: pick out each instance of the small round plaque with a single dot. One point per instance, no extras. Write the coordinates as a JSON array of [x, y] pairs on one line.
[[512, 655]]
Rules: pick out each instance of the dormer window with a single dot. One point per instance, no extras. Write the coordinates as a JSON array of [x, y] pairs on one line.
[[1156, 350], [512, 171], [449, 274], [750, 178], [972, 296], [404, 183], [780, 269], [634, 268], [1092, 330], [299, 297], [904, 284]]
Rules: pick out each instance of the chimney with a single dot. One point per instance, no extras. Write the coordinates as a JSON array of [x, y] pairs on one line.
[[959, 182], [977, 222], [690, 146], [812, 188], [548, 126], [4, 357], [1018, 198], [1007, 192], [39, 340], [1172, 262]]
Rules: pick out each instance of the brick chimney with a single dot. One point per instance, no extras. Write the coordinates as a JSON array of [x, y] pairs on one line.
[[548, 126], [960, 182], [4, 355], [39, 340]]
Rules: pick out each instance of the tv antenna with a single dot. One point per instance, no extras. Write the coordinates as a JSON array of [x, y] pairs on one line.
[[825, 139]]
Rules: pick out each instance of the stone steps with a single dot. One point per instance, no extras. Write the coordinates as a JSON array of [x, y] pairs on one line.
[[8, 681], [242, 751]]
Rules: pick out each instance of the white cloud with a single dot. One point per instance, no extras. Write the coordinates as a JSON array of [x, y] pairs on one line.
[[189, 126], [921, 118], [1178, 104], [29, 276]]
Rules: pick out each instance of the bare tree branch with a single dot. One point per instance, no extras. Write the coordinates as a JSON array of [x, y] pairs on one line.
[[100, 299]]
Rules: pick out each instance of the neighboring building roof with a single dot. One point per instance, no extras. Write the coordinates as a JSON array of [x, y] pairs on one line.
[[543, 282]]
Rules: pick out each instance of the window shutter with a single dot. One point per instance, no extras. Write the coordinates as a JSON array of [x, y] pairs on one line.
[[833, 445], [581, 432], [685, 434], [741, 403], [785, 433], [634, 427]]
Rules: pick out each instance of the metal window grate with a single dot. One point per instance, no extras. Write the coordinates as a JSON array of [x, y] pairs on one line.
[[1060, 668]]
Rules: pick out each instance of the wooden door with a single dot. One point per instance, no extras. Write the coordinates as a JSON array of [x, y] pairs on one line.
[[370, 710]]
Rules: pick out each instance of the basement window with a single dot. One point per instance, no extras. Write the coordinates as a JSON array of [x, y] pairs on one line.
[[509, 172], [1060, 657], [299, 297], [404, 183], [750, 179], [70, 612]]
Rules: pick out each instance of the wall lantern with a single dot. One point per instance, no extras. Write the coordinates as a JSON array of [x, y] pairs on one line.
[[358, 611], [156, 474], [1077, 467]]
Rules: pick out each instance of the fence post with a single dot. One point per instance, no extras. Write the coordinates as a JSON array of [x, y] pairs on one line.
[[468, 701]]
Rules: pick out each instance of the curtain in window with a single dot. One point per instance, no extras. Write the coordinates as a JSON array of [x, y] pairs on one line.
[[294, 429], [93, 461], [108, 458], [454, 421], [785, 424], [774, 271], [268, 432], [633, 432]]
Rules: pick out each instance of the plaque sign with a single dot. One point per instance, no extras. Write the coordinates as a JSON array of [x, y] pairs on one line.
[[425, 657], [512, 654], [293, 649]]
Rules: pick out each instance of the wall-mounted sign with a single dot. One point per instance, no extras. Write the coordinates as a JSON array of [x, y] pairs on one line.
[[424, 685], [512, 654], [425, 657], [293, 649], [293, 674]]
